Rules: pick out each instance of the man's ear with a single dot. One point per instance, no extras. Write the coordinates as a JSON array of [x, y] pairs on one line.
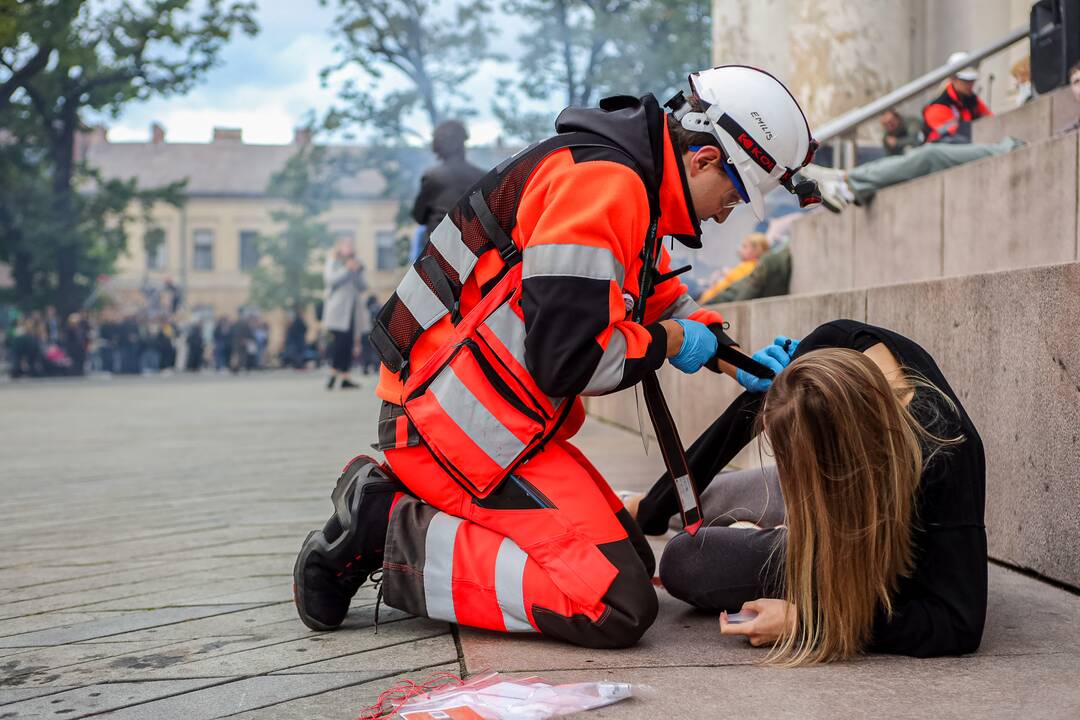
[[704, 157]]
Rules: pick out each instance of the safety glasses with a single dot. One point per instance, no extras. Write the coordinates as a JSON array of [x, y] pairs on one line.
[[733, 175]]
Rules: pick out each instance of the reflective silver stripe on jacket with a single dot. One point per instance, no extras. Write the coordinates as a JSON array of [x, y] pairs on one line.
[[510, 329], [439, 567], [609, 371], [683, 307], [446, 237], [509, 586], [421, 301], [469, 414], [565, 260]]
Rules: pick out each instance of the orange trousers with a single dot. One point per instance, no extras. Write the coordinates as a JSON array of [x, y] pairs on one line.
[[551, 550]]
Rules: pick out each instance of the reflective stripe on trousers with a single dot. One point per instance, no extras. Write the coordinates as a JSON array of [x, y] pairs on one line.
[[439, 547]]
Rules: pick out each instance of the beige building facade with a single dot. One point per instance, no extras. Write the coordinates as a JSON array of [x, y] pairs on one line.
[[208, 246]]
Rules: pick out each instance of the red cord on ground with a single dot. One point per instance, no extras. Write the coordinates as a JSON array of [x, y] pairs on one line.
[[390, 700]]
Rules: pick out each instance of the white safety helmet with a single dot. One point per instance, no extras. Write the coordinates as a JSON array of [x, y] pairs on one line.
[[760, 127]]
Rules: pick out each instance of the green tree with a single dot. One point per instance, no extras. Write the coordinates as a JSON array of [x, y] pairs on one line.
[[577, 51], [415, 56], [103, 57], [425, 50], [29, 33], [307, 184]]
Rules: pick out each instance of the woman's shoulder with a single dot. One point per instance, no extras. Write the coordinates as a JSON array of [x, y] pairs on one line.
[[835, 333]]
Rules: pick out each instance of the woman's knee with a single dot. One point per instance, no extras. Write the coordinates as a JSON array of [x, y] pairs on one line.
[[680, 571], [720, 568]]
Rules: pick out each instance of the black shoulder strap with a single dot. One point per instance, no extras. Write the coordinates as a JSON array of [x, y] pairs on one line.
[[506, 247]]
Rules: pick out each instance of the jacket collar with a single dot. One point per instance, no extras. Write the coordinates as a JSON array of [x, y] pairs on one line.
[[677, 215], [960, 102]]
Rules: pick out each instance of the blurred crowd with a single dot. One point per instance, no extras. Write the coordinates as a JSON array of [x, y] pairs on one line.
[[41, 344]]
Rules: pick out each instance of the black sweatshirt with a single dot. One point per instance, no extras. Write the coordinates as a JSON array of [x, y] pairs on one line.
[[940, 609]]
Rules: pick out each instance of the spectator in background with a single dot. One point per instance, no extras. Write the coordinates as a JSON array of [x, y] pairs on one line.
[[222, 343], [76, 337], [176, 296], [1021, 75], [343, 313], [52, 325], [1074, 85], [948, 117], [752, 247], [241, 344], [899, 132], [195, 347], [369, 361], [839, 187], [442, 185], [261, 331], [295, 339], [27, 355], [128, 345]]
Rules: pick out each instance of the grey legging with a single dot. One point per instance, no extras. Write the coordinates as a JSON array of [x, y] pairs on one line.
[[722, 567]]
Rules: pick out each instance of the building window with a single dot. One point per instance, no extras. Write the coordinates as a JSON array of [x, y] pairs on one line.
[[386, 255], [157, 253], [203, 257], [249, 249]]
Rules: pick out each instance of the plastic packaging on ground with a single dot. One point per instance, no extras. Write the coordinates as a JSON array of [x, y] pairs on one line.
[[492, 696]]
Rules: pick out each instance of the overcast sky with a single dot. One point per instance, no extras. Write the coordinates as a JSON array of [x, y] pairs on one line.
[[267, 84]]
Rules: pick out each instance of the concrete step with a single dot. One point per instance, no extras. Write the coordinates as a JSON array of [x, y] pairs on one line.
[[1011, 211]]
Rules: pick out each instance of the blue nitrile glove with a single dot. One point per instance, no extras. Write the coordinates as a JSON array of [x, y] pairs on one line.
[[698, 346], [772, 357], [788, 345]]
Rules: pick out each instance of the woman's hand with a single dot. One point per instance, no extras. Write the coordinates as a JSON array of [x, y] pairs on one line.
[[774, 617]]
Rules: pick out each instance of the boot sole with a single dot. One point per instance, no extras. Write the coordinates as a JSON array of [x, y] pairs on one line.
[[298, 584]]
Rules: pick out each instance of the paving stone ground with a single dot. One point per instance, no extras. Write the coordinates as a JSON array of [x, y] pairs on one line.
[[149, 526]]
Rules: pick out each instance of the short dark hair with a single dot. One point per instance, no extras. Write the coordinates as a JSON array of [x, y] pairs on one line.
[[449, 139], [684, 139]]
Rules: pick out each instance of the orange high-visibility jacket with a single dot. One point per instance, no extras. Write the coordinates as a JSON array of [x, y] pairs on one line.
[[579, 216], [949, 115]]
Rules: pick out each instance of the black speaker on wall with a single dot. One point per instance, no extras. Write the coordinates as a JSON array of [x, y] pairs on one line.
[[1055, 42]]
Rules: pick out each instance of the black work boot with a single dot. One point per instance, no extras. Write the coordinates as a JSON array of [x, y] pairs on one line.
[[335, 561]]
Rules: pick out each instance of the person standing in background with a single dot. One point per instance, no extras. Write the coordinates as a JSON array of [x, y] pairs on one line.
[[222, 331], [195, 347], [369, 361], [344, 281], [443, 185], [296, 339]]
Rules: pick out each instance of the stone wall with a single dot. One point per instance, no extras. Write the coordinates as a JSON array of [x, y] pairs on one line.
[[1035, 121], [1007, 342], [1017, 210]]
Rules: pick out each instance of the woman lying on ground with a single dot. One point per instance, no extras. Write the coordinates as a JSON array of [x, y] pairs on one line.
[[867, 534]]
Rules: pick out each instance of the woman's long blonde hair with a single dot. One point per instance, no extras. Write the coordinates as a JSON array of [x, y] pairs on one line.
[[849, 456]]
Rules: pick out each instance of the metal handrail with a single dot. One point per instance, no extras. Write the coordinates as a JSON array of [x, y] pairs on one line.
[[851, 120]]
